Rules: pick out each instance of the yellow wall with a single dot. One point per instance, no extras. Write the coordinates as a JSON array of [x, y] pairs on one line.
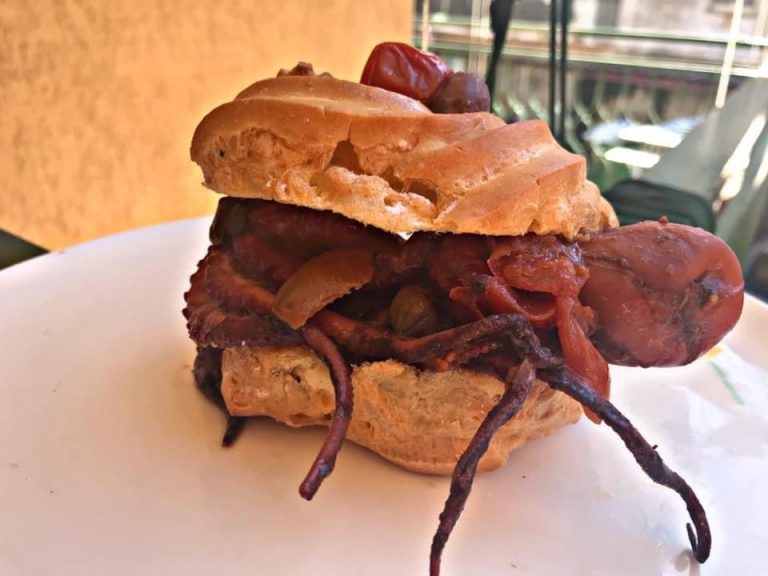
[[98, 100]]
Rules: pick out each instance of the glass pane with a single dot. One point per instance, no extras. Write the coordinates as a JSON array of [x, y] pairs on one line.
[[671, 94]]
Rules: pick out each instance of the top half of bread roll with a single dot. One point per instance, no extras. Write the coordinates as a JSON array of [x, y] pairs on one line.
[[385, 160]]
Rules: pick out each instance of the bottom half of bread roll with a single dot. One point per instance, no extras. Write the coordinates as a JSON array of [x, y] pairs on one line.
[[418, 419]]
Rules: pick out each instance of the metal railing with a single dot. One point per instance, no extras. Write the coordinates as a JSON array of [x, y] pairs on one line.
[[528, 40], [610, 70]]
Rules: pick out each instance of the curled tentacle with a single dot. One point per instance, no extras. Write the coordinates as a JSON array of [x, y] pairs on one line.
[[439, 350], [230, 305], [224, 309], [518, 387], [649, 460], [237, 292], [235, 425], [207, 373], [342, 385]]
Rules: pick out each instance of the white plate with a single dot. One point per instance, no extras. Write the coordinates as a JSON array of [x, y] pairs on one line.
[[110, 460]]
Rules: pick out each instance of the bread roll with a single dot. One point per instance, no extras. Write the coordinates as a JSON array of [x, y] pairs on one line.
[[385, 160], [418, 419]]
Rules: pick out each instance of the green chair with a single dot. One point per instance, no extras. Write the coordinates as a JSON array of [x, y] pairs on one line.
[[637, 200]]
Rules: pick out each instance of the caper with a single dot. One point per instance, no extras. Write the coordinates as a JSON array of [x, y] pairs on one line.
[[411, 313]]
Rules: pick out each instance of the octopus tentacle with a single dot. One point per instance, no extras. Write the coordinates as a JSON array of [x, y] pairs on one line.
[[650, 461], [230, 303], [518, 387], [337, 431]]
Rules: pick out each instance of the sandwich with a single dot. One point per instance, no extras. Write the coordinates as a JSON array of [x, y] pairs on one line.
[[392, 262]]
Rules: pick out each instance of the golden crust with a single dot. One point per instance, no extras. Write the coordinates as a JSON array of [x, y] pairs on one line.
[[385, 160], [418, 419]]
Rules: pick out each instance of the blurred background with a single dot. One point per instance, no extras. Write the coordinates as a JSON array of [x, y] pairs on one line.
[[667, 100], [100, 98]]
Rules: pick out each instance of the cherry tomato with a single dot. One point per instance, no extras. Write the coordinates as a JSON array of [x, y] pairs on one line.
[[403, 69]]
